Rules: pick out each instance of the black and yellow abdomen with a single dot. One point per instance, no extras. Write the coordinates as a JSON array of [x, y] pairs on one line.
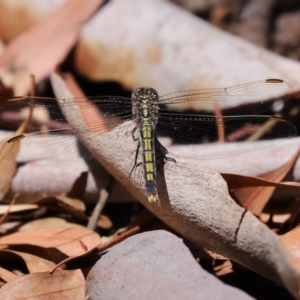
[[148, 155], [145, 114]]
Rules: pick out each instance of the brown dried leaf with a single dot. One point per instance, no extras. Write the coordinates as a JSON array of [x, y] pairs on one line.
[[17, 16], [7, 170], [255, 197], [76, 204], [224, 268], [104, 222], [67, 202], [40, 48], [62, 203], [8, 164], [60, 285], [279, 213], [34, 263], [79, 187], [49, 223], [72, 242]]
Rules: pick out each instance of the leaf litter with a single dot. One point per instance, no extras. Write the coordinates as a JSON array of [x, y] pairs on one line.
[[240, 230], [68, 241], [47, 244]]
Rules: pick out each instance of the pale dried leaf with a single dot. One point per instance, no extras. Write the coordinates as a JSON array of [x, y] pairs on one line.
[[138, 262], [170, 49], [6, 275], [104, 222], [17, 208]]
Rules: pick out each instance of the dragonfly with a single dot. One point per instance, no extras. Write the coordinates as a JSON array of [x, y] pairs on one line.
[[210, 117]]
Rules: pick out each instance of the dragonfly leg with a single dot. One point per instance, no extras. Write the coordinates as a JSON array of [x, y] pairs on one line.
[[164, 152], [170, 159], [136, 164], [132, 134]]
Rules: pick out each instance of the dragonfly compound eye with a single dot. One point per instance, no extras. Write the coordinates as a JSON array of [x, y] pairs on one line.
[[145, 92]]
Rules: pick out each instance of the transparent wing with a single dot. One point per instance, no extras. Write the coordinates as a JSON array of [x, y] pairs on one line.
[[215, 133], [254, 96], [50, 148], [198, 123], [103, 113], [51, 139]]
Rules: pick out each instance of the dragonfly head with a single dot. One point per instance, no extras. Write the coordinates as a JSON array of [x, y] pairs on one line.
[[145, 93]]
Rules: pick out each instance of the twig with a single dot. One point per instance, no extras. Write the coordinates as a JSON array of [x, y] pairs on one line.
[[5, 216], [119, 238], [103, 196]]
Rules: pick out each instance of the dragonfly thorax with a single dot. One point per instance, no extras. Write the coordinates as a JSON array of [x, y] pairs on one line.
[[144, 104]]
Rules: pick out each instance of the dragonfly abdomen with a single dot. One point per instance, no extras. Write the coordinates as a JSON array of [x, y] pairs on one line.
[[149, 165]]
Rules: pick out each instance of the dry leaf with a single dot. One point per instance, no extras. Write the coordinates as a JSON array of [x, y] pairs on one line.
[[7, 171], [72, 242], [67, 201], [50, 180], [11, 24], [45, 180], [67, 285], [51, 222], [40, 48], [8, 164], [17, 208], [249, 163], [291, 240], [79, 187], [223, 269], [6, 275], [74, 204], [34, 263], [138, 262], [256, 198], [62, 203], [104, 222], [171, 50]]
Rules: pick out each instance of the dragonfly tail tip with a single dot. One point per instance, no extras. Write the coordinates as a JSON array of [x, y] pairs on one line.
[[151, 198]]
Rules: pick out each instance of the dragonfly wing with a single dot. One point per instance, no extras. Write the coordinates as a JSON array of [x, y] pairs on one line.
[[104, 113], [54, 150], [255, 96], [210, 135], [52, 140]]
